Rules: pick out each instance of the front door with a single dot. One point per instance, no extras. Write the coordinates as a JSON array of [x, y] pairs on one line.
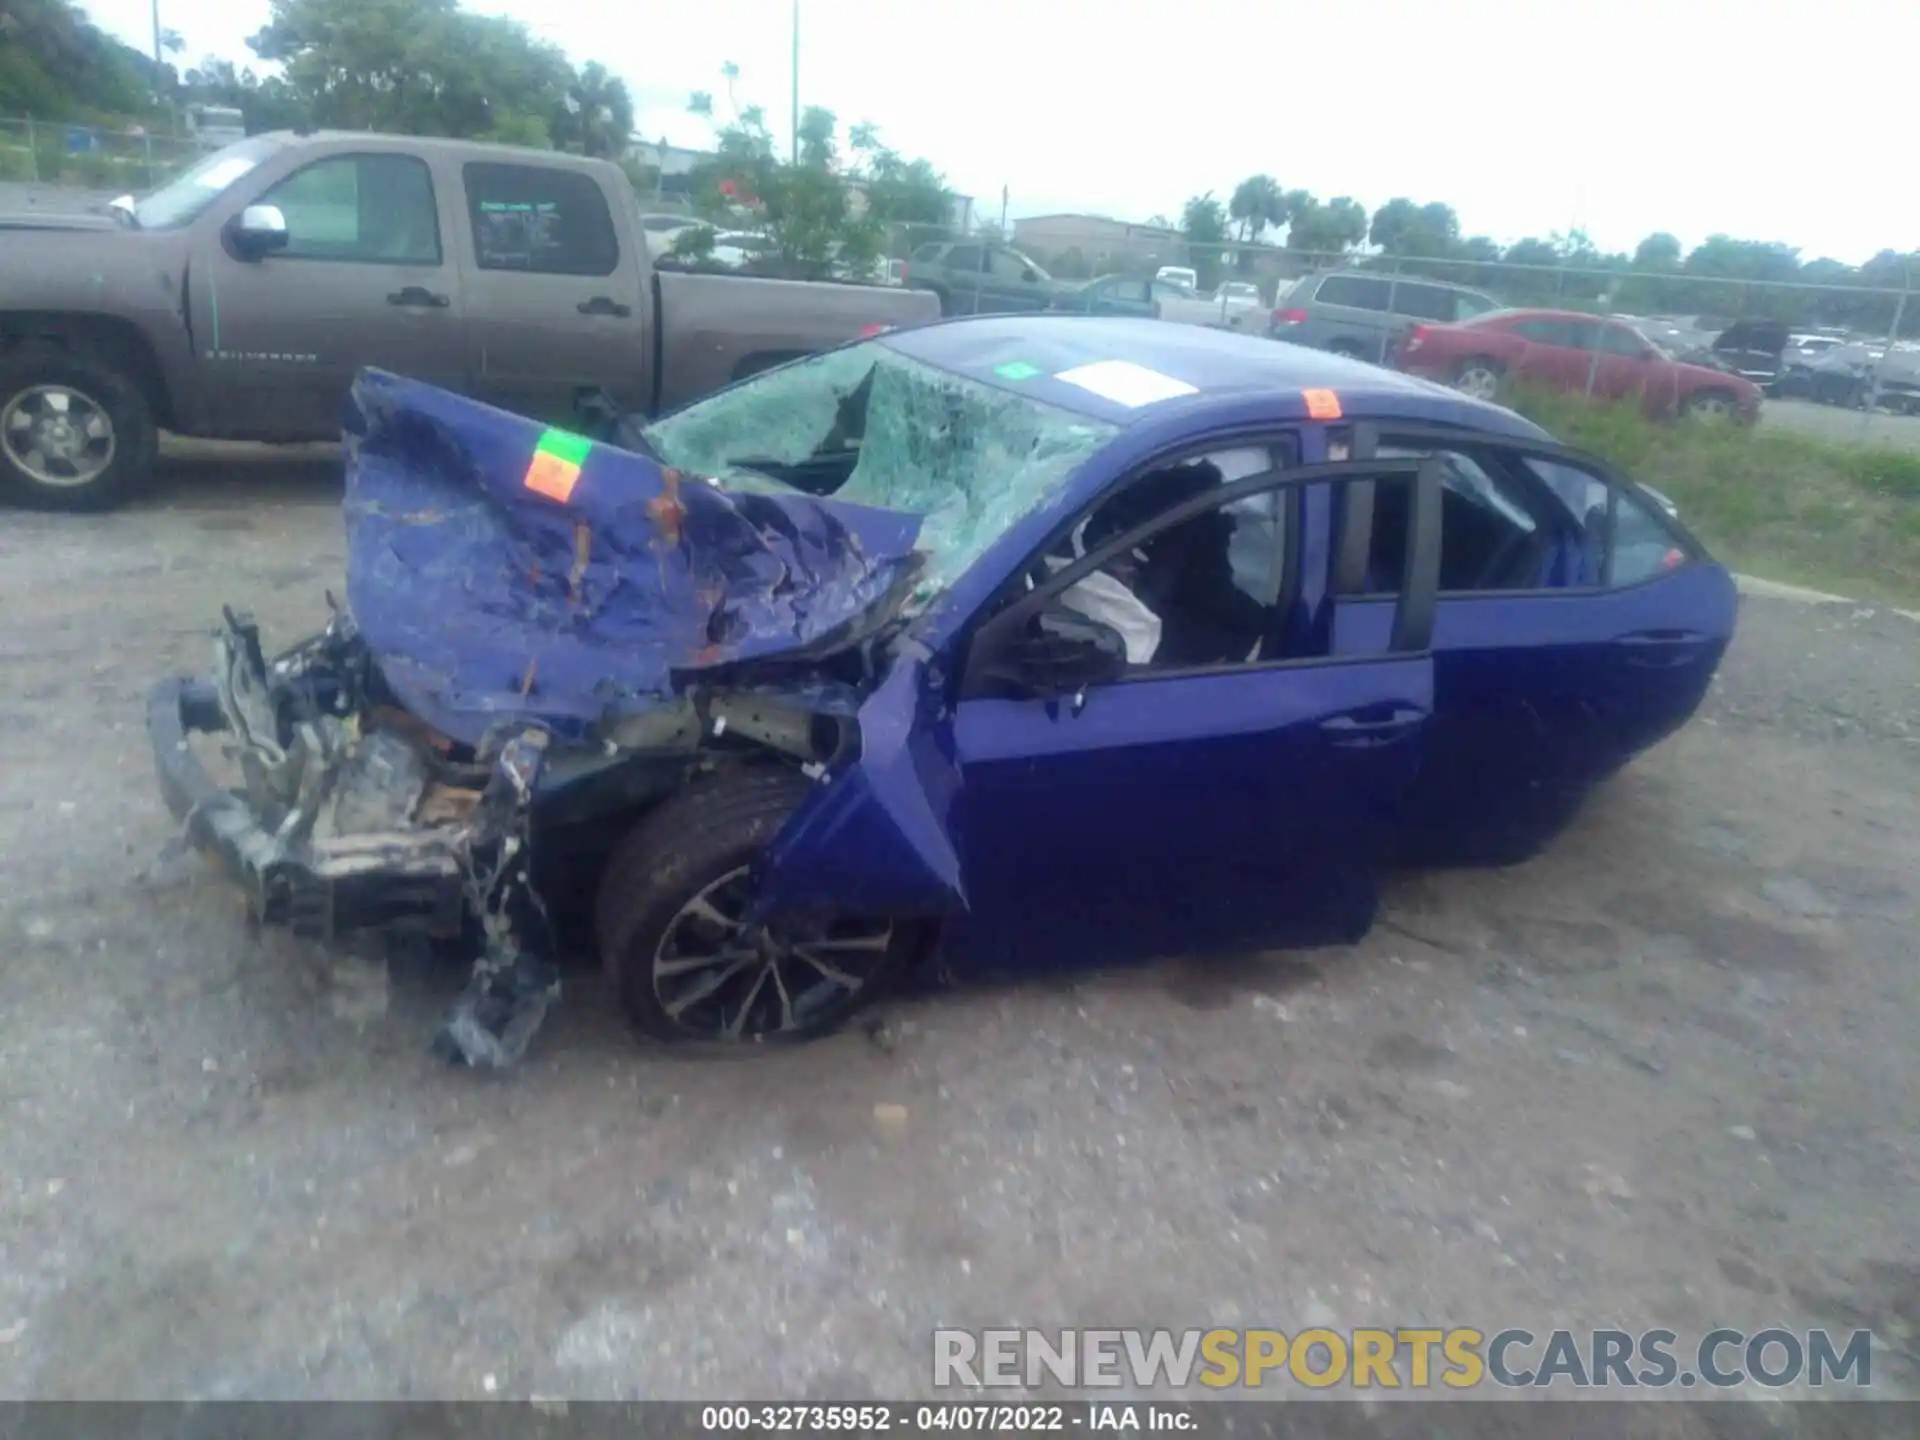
[[1204, 796], [366, 278]]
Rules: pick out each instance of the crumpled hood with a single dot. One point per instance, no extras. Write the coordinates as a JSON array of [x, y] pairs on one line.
[[503, 572]]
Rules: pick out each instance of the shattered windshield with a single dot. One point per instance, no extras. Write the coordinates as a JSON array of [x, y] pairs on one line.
[[868, 425]]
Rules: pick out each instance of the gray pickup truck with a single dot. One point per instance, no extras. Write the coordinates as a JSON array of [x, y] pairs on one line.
[[239, 301]]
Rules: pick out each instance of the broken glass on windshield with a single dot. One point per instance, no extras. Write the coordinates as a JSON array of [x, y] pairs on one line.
[[868, 425]]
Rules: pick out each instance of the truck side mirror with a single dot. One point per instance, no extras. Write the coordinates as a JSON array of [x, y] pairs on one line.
[[260, 230]]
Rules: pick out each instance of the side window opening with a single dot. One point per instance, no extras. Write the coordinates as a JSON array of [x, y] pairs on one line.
[[540, 219], [374, 209], [1494, 533], [1200, 593]]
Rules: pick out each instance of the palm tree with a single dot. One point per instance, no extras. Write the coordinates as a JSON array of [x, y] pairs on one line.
[[1257, 203]]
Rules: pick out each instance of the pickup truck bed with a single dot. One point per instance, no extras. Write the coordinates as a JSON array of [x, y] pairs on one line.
[[239, 301]]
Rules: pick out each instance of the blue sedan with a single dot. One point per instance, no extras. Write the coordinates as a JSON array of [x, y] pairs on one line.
[[1029, 640]]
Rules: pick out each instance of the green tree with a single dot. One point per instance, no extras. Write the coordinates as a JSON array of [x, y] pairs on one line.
[[1329, 227], [596, 114], [829, 209], [1402, 228], [1203, 220], [1659, 251], [1258, 204]]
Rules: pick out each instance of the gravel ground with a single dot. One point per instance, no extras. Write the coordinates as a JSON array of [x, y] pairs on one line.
[[1852, 427], [1662, 1075]]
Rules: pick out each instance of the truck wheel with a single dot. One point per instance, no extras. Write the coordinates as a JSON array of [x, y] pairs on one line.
[[75, 433], [668, 924]]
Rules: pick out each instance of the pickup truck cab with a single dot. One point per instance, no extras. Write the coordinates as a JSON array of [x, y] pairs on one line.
[[239, 301]]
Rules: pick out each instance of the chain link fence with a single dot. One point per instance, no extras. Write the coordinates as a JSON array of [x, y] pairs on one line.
[[40, 152]]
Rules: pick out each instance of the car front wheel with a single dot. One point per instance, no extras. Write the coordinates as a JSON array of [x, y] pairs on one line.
[[75, 434], [673, 934]]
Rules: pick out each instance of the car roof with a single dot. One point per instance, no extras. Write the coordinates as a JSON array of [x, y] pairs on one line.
[[1027, 354], [1356, 270]]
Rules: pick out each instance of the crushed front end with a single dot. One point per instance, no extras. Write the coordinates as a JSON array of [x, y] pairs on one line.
[[352, 814], [540, 633]]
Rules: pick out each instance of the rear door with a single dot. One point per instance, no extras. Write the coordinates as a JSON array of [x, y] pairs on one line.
[[1558, 352], [367, 278], [1186, 806], [1575, 626], [1348, 314], [554, 285], [1015, 283]]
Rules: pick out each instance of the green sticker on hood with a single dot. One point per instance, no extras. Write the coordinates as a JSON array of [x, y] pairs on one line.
[[1016, 370]]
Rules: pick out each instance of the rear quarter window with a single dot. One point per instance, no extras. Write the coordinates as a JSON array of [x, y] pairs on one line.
[[1358, 292]]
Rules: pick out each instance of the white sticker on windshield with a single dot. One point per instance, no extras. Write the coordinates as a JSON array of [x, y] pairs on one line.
[[1126, 383], [218, 177]]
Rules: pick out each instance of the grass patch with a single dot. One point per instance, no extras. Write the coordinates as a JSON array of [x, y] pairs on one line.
[[1774, 503]]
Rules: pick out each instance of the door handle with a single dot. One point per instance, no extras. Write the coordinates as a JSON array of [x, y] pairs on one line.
[[1376, 725], [1661, 649], [1647, 638], [420, 297], [603, 305]]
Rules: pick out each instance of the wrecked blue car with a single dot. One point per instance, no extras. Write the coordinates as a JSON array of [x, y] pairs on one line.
[[1026, 641]]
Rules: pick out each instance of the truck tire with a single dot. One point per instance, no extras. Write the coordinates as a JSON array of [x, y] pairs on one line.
[[76, 434], [665, 923]]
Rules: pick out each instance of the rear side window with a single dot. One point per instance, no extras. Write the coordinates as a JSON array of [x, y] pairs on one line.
[[1547, 332], [1360, 292], [927, 253], [1643, 546], [540, 219], [1423, 302], [1637, 540], [1466, 305], [1615, 341], [964, 257]]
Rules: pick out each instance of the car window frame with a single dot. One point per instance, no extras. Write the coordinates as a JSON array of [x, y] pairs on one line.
[[1412, 633], [1624, 335], [1370, 434], [439, 261], [1518, 328], [470, 206], [950, 262], [1385, 307]]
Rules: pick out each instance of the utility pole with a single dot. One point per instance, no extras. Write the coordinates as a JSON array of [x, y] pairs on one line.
[[796, 80], [1003, 212], [156, 50]]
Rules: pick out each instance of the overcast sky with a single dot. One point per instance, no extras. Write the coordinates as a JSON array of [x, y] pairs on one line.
[[1528, 116]]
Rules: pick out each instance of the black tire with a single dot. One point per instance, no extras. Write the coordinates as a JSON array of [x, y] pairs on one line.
[[120, 399], [1347, 349], [681, 851]]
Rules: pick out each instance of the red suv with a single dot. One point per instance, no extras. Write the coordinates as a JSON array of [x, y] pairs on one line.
[[1566, 350]]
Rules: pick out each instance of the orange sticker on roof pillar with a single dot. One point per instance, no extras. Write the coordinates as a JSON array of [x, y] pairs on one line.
[[1322, 404], [555, 468]]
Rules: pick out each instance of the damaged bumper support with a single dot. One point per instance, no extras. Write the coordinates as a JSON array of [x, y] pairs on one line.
[[347, 828]]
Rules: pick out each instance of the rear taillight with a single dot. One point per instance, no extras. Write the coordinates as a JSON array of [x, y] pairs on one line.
[[1289, 317], [903, 272], [1416, 337]]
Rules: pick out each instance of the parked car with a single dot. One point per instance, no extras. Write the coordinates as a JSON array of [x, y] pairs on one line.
[[1185, 276], [1752, 349], [1027, 637], [975, 277], [238, 301], [1238, 294], [1159, 299], [1566, 350], [1363, 314]]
